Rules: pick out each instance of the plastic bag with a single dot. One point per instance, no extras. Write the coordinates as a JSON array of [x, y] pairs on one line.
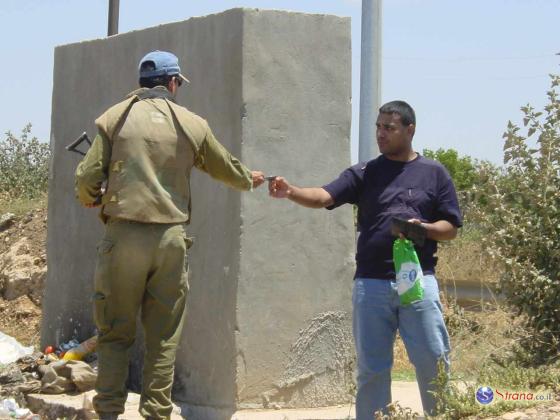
[[81, 350], [11, 349], [410, 279]]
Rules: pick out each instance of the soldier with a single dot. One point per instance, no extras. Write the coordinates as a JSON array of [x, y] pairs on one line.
[[145, 149]]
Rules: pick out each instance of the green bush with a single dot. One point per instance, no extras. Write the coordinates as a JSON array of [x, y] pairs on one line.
[[521, 218], [466, 173], [461, 168], [24, 166]]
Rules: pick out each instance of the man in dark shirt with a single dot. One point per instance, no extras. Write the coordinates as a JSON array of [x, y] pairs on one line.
[[399, 183]]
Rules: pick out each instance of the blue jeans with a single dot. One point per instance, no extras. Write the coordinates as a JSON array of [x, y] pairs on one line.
[[377, 315]]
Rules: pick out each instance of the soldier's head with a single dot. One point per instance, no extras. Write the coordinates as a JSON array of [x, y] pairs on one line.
[[396, 124], [161, 68]]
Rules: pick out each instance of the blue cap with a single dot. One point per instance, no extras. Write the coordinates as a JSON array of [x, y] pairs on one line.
[[160, 63]]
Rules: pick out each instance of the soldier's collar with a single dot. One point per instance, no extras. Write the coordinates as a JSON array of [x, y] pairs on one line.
[[156, 92]]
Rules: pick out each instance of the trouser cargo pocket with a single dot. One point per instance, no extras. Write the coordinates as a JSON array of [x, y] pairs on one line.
[[102, 286]]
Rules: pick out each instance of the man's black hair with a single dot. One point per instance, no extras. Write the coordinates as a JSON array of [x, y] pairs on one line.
[[401, 108], [151, 82]]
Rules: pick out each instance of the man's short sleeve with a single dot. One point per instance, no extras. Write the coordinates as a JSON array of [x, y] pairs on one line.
[[347, 188], [448, 204]]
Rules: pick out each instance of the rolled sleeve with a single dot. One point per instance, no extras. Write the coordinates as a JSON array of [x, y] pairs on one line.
[[92, 170], [217, 162], [447, 204], [347, 188]]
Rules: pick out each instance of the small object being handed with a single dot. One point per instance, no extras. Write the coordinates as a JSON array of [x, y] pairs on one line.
[[270, 178], [415, 232]]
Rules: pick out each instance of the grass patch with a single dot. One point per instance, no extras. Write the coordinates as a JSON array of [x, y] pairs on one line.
[[403, 375], [22, 206], [457, 400]]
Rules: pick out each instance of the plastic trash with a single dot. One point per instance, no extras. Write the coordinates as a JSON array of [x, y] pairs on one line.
[[22, 412], [10, 404], [69, 345], [82, 350], [10, 409], [11, 350]]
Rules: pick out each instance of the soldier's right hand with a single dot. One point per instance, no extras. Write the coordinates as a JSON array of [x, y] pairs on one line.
[[258, 178], [279, 187]]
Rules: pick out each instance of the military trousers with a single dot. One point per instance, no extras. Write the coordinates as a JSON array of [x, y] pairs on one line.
[[141, 268]]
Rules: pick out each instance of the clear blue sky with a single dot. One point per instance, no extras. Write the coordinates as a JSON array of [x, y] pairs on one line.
[[465, 66]]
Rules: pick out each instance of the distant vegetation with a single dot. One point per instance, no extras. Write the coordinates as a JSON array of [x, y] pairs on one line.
[[24, 166], [515, 213]]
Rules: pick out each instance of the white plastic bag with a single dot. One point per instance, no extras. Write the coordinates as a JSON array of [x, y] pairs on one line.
[[11, 350]]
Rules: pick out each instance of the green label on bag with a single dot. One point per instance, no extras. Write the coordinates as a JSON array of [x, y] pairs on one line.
[[409, 272]]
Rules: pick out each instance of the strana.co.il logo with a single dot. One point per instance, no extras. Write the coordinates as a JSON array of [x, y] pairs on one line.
[[484, 395]]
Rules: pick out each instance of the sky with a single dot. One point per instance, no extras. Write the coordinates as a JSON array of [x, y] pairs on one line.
[[465, 66]]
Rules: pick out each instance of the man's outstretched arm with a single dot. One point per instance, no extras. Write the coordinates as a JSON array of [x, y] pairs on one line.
[[315, 198]]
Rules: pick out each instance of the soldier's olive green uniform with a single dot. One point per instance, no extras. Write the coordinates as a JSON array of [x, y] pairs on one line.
[[145, 149]]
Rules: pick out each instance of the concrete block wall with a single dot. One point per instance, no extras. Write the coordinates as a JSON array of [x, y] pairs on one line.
[[268, 318]]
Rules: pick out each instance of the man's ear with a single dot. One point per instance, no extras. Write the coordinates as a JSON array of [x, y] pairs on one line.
[[411, 129], [171, 86]]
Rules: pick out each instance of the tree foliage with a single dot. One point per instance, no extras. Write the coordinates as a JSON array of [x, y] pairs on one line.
[[24, 165], [521, 217], [461, 168]]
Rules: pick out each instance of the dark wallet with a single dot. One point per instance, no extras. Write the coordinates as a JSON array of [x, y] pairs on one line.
[[416, 233]]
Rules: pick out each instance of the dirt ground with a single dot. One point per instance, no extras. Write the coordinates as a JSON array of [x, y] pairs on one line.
[[21, 318]]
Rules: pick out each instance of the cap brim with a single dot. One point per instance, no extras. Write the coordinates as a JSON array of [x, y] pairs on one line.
[[184, 78]]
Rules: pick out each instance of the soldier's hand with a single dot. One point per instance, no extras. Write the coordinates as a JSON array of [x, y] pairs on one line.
[[258, 178], [278, 187], [96, 203]]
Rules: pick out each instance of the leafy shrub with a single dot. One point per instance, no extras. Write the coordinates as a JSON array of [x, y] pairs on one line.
[[461, 168], [24, 166], [521, 218]]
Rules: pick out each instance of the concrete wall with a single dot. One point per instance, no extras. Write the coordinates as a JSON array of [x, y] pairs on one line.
[[268, 310], [296, 263]]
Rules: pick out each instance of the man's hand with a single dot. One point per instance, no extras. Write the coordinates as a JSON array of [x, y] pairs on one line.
[[314, 198], [441, 230], [415, 221], [279, 187], [258, 178]]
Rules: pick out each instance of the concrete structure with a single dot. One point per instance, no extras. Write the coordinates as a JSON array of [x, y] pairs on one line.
[[270, 282]]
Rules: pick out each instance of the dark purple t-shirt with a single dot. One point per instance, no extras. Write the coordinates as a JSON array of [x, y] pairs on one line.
[[383, 189]]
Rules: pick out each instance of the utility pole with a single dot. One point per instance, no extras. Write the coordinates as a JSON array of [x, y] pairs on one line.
[[113, 24], [370, 78]]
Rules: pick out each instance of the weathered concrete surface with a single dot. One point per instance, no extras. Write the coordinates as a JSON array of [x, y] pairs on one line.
[[80, 406], [296, 264], [406, 394], [268, 310]]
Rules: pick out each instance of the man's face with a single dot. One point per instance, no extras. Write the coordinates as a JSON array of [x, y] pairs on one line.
[[393, 138]]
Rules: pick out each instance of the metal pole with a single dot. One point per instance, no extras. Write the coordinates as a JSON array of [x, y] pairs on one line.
[[370, 78], [113, 24]]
